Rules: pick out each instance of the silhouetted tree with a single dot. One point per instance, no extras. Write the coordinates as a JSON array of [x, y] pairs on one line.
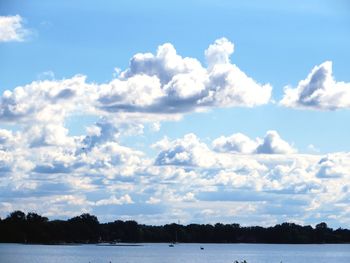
[[84, 228], [16, 217], [36, 228], [33, 228], [14, 227]]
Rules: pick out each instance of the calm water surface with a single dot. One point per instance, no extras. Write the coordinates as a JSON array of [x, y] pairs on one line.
[[181, 253]]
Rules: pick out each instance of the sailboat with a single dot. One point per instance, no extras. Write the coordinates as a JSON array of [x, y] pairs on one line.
[[173, 244]]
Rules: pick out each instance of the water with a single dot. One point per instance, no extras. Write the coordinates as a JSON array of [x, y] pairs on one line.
[[181, 253]]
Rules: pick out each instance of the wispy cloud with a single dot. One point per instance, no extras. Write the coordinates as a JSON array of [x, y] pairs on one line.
[[12, 29]]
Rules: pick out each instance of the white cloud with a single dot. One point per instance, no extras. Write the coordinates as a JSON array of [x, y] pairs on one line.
[[164, 65], [110, 159], [155, 126], [272, 143], [170, 84], [113, 200], [235, 143], [153, 200], [11, 29], [138, 91], [187, 151], [49, 135], [219, 52], [229, 86], [153, 88], [46, 101], [319, 91], [103, 131], [334, 166], [7, 138]]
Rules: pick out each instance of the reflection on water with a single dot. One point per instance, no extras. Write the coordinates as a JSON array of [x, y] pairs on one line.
[[180, 253]]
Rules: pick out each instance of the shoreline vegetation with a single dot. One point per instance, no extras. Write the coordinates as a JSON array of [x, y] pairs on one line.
[[32, 228]]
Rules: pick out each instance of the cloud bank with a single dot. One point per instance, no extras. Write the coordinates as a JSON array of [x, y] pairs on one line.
[[45, 167], [186, 179]]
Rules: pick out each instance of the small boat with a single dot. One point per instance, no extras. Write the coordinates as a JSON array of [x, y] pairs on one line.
[[202, 248], [174, 242]]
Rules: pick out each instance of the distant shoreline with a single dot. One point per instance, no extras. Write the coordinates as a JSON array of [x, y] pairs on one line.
[[86, 229], [166, 244]]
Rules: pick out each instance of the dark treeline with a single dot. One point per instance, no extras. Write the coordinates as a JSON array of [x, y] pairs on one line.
[[33, 228]]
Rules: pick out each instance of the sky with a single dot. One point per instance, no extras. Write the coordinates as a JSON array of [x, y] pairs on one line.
[[190, 111]]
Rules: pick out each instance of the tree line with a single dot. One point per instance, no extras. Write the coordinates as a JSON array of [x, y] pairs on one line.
[[32, 228]]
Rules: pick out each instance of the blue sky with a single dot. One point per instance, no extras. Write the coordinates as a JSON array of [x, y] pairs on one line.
[[145, 131]]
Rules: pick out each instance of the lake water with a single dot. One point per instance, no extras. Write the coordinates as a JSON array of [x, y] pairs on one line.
[[180, 253]]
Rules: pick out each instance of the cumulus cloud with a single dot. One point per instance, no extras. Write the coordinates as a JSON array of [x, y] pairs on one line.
[[163, 86], [272, 143], [168, 83], [138, 91], [113, 200], [191, 152], [219, 52], [11, 29], [235, 143], [49, 135], [52, 159], [164, 65], [8, 139], [110, 159], [188, 151], [101, 132], [319, 91], [5, 162], [334, 166], [46, 101]]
